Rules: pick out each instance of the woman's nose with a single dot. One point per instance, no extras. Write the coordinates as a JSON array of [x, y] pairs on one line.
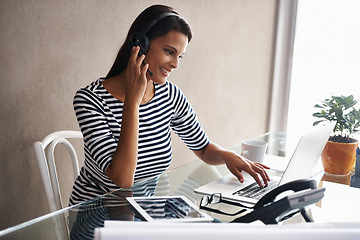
[[175, 63]]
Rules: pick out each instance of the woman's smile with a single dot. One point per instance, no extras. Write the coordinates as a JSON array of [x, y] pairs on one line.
[[165, 72]]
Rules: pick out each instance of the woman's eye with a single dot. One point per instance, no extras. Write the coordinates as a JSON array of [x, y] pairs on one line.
[[170, 52]]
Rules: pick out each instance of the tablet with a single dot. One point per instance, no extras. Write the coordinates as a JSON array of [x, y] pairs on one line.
[[168, 208]]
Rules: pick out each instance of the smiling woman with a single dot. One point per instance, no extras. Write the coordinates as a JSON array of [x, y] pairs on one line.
[[126, 117]]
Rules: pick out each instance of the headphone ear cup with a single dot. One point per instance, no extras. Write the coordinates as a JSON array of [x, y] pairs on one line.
[[134, 41], [142, 42]]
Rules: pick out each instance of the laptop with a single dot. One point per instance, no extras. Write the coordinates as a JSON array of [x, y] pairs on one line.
[[300, 166]]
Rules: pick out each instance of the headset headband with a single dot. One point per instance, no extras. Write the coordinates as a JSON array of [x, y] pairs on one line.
[[154, 21]]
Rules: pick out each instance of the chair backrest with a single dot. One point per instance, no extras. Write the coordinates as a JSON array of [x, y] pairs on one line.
[[47, 167]]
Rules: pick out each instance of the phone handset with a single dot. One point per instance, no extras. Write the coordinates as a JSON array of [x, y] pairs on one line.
[[270, 210], [294, 186]]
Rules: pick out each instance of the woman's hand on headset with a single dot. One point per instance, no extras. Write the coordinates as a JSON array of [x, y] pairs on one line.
[[135, 78]]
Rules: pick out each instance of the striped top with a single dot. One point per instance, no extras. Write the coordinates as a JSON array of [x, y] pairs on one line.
[[100, 115]]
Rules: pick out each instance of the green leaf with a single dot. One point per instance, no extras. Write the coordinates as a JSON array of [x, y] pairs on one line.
[[340, 109], [317, 122]]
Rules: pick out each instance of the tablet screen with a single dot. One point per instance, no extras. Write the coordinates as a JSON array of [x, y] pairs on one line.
[[169, 208]]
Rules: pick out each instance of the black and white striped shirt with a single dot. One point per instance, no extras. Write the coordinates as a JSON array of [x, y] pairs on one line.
[[100, 115]]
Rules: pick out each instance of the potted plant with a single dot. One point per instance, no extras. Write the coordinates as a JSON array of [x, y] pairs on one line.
[[339, 154]]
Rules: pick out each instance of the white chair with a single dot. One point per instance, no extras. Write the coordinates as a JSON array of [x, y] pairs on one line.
[[47, 166]]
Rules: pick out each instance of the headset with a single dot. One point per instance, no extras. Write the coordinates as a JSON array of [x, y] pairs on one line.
[[140, 39]]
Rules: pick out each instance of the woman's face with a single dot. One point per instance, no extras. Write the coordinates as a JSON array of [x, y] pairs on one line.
[[164, 54]]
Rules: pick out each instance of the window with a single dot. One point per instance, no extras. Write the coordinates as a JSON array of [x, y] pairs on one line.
[[326, 57]]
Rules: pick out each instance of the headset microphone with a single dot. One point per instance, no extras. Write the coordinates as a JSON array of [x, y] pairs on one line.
[[148, 70], [141, 40]]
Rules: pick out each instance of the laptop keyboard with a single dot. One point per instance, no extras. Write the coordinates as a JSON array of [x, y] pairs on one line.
[[255, 191]]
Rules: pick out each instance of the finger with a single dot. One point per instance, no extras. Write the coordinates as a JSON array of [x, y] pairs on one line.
[[134, 54], [260, 170], [140, 61], [265, 177], [264, 166], [255, 176], [249, 169], [238, 175], [144, 70]]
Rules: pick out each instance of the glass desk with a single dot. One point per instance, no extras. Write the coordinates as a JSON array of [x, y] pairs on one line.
[[79, 221]]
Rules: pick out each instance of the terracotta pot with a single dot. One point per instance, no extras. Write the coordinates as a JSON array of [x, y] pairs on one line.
[[339, 158]]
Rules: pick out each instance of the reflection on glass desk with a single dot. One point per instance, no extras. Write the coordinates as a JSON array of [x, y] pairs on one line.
[[79, 221]]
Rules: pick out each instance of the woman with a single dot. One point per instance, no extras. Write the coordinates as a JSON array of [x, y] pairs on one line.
[[126, 117]]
